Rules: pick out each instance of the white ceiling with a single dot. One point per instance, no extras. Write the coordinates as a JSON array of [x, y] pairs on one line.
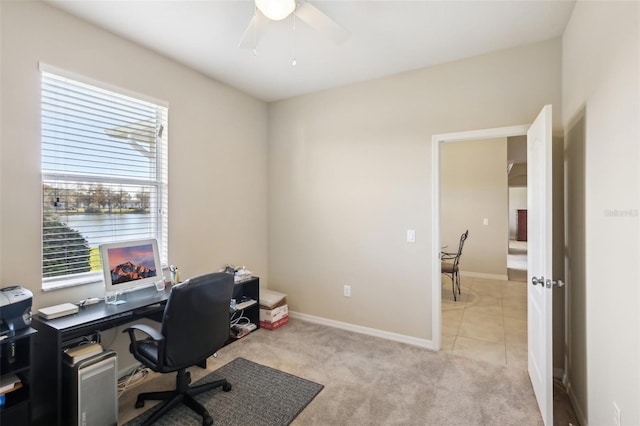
[[387, 37]]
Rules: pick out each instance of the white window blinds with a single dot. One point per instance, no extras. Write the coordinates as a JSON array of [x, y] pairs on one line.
[[104, 176]]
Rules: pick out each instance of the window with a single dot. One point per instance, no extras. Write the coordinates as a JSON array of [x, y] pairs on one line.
[[104, 175]]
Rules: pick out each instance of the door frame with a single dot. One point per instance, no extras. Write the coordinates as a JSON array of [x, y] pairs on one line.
[[436, 141]]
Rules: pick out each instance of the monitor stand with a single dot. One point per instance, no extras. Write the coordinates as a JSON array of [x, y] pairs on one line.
[[111, 298]]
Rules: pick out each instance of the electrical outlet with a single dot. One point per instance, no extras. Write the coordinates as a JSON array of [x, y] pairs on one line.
[[347, 291], [616, 414]]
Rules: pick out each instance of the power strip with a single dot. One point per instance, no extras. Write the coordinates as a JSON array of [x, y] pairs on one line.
[[245, 304], [240, 330], [249, 327]]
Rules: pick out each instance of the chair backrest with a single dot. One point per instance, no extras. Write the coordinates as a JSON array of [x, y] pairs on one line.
[[195, 323], [463, 238]]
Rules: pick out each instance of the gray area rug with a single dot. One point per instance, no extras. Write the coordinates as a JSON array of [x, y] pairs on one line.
[[261, 396]]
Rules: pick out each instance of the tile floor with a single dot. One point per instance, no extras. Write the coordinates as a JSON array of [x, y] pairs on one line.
[[488, 322]]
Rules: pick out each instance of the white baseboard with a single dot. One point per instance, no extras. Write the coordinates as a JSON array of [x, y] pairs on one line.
[[576, 406], [560, 374], [410, 340], [483, 275]]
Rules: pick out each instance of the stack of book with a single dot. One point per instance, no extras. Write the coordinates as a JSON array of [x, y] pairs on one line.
[[78, 353], [9, 383], [242, 275]]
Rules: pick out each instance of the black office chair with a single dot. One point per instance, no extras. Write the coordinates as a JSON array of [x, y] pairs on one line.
[[195, 324], [450, 265]]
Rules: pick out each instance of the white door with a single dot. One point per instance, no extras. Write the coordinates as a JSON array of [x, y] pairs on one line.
[[539, 262]]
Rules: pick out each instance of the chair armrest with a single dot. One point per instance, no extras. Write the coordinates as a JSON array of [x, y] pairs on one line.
[[149, 331], [155, 336]]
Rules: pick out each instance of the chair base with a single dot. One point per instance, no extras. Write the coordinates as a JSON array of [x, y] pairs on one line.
[[183, 393]]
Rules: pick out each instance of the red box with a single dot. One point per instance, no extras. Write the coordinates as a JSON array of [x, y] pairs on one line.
[[274, 318], [273, 325]]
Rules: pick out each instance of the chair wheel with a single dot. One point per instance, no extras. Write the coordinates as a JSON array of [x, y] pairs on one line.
[[139, 403], [226, 387], [207, 421]]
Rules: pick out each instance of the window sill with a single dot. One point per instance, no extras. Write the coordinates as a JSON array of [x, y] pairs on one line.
[[57, 283]]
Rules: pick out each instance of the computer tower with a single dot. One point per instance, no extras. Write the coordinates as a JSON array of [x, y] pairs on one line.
[[92, 391]]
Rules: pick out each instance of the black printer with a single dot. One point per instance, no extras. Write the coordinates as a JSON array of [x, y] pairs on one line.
[[15, 309]]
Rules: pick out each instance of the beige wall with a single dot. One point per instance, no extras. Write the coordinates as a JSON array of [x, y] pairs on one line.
[[517, 155], [217, 144], [558, 250], [601, 85], [517, 149], [473, 186], [576, 368], [350, 172]]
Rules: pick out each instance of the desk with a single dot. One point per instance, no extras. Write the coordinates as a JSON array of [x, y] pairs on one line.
[[56, 335]]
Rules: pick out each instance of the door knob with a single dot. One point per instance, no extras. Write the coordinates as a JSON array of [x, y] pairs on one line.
[[549, 283], [536, 281], [558, 283]]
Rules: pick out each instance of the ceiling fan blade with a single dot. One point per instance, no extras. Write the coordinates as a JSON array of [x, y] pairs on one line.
[[254, 31], [317, 20]]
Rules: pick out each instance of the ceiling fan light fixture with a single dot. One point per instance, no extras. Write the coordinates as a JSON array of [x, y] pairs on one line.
[[276, 10]]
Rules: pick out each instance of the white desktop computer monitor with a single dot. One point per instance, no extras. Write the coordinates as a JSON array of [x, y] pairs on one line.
[[130, 265]]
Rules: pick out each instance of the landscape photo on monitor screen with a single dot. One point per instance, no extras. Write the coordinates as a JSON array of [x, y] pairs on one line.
[[131, 263]]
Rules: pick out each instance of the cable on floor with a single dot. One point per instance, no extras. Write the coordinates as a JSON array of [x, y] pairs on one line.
[[136, 376]]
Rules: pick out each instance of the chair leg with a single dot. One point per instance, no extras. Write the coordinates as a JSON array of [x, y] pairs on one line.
[[191, 402], [182, 393], [154, 396], [453, 284], [453, 287], [165, 407], [196, 390]]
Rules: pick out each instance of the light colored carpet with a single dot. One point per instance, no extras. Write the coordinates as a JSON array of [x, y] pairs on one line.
[[372, 381]]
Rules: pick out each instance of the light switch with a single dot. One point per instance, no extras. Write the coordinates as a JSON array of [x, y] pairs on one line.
[[411, 235], [485, 221]]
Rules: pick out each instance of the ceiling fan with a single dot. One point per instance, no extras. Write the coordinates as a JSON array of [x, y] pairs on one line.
[[277, 10]]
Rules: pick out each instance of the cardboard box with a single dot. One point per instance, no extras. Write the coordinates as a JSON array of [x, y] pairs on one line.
[[273, 325], [270, 299], [274, 318]]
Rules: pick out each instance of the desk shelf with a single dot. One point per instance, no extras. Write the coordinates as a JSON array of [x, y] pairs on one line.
[[249, 289], [17, 405]]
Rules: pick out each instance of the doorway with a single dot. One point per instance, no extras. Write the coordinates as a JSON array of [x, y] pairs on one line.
[[436, 143], [518, 213], [517, 245], [488, 319]]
